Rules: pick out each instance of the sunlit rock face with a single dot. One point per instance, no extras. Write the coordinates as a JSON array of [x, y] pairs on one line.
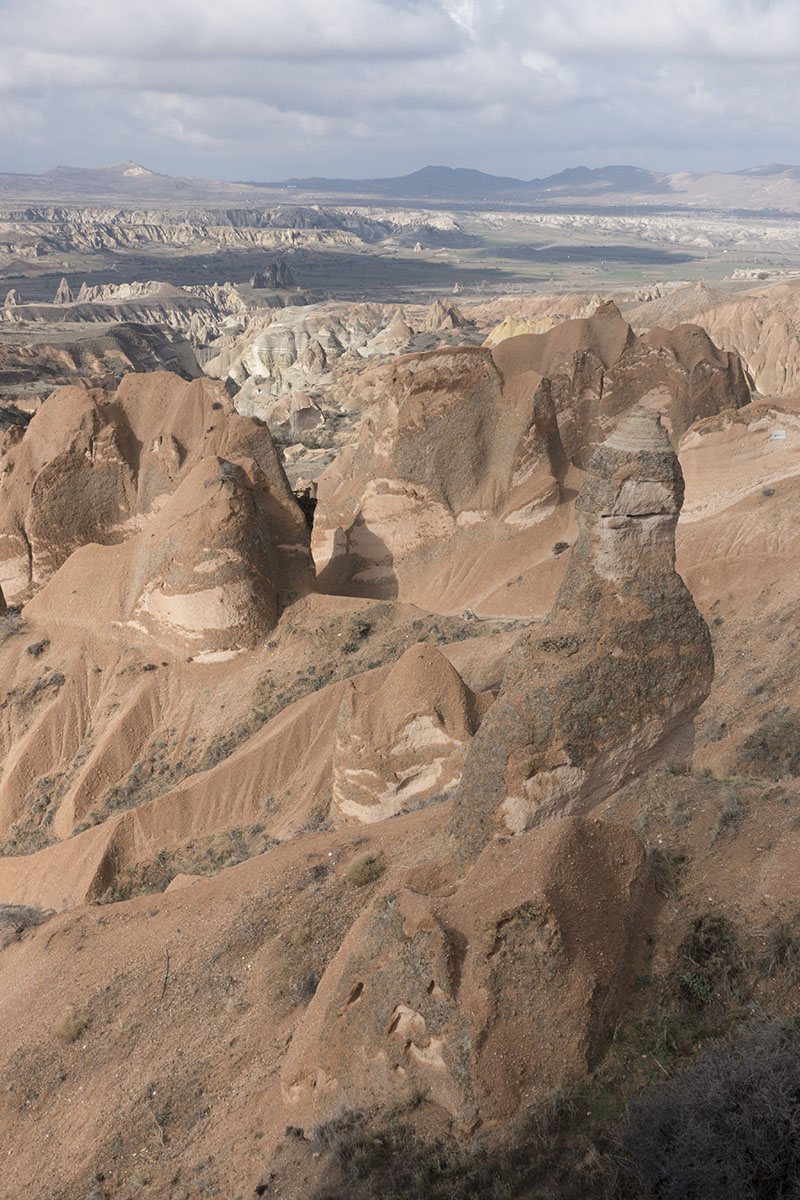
[[400, 743], [94, 467], [613, 679]]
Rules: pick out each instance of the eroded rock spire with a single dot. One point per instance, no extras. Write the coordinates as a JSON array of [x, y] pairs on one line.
[[614, 677]]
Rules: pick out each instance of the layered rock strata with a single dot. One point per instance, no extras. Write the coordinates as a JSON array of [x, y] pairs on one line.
[[402, 741]]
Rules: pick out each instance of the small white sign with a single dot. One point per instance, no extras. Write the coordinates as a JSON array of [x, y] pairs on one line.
[[778, 435]]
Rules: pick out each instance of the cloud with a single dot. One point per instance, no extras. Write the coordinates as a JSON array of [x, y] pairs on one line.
[[380, 86]]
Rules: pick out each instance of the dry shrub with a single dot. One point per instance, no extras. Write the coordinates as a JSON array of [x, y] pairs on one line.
[[70, 1025], [15, 919], [780, 954], [726, 1128], [773, 750], [711, 969], [365, 868]]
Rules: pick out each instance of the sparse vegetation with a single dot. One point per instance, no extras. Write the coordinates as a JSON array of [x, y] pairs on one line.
[[70, 1025], [772, 751], [393, 1162], [711, 967], [303, 989], [11, 622], [15, 919], [365, 868], [780, 954], [202, 856], [732, 813]]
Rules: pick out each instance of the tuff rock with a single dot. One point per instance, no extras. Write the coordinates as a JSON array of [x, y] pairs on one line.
[[614, 677]]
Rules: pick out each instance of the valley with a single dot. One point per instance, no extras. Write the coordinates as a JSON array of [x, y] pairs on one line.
[[400, 702]]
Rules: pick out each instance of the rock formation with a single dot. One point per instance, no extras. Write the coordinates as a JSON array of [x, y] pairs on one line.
[[759, 324], [46, 356], [63, 293], [210, 567], [399, 742], [466, 450], [443, 314], [599, 369], [92, 465], [484, 1000], [292, 416], [616, 674], [278, 274], [13, 298]]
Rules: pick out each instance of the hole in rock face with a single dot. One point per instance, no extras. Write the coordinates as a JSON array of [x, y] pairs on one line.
[[355, 993], [431, 986], [307, 503], [634, 516]]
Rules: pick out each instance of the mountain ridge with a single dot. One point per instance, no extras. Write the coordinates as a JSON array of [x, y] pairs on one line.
[[771, 187]]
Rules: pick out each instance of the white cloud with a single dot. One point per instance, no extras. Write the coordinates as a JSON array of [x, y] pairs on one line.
[[377, 86]]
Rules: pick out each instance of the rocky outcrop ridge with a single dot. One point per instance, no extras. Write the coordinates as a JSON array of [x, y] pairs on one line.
[[37, 357], [204, 312], [277, 274], [760, 324], [615, 676], [35, 232]]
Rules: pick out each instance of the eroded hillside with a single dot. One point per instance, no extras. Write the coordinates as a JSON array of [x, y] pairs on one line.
[[407, 820]]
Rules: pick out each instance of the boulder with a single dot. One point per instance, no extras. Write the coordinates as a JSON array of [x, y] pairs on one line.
[[484, 1000]]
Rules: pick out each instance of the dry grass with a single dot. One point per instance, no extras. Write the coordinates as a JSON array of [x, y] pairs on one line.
[[70, 1025], [365, 868]]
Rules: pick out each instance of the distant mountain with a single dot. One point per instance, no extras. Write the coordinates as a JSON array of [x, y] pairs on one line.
[[122, 181], [758, 188], [596, 181], [429, 183], [772, 187]]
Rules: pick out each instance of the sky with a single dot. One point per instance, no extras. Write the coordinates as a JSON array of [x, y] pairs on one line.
[[262, 90]]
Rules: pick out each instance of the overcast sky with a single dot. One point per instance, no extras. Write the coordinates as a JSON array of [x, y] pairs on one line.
[[257, 89]]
